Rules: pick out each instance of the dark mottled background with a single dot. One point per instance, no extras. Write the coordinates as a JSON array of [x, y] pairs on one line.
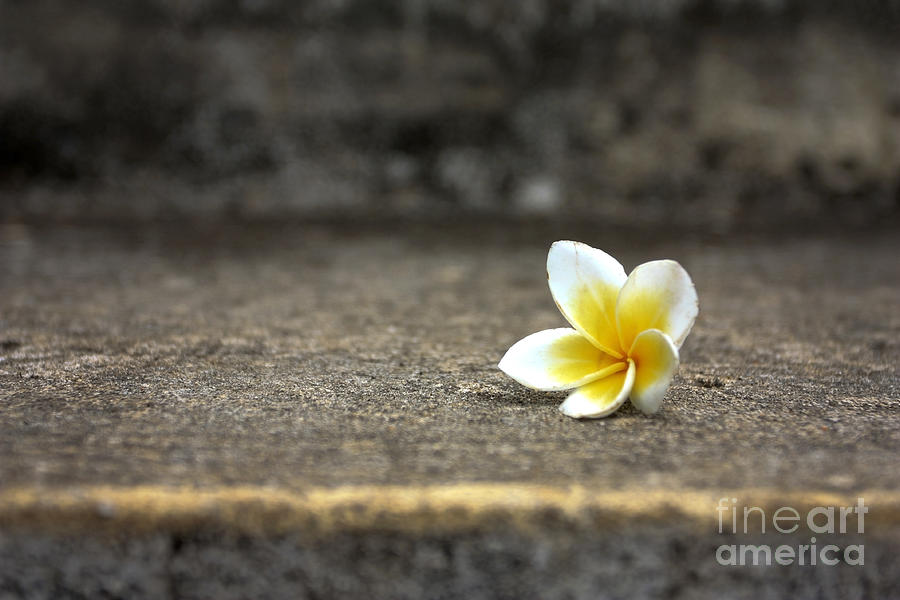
[[719, 114]]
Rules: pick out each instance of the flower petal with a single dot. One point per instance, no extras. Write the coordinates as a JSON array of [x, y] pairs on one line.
[[601, 397], [657, 295], [557, 359], [585, 284], [656, 360]]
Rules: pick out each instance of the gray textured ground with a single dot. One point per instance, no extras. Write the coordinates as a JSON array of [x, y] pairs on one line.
[[301, 358], [317, 357]]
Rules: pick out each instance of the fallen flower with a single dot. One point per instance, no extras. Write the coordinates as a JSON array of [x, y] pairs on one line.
[[626, 336]]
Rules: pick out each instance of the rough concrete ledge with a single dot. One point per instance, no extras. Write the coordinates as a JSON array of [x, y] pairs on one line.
[[316, 412]]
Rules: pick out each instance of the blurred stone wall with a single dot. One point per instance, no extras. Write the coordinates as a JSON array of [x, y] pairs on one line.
[[716, 113]]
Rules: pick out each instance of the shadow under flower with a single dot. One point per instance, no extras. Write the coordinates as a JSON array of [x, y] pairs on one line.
[[520, 397], [524, 397]]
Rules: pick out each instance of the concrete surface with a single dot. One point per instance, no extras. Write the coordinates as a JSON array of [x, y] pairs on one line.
[[317, 410], [712, 113]]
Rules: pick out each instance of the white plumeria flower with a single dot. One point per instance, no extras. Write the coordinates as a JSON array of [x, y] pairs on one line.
[[626, 336]]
